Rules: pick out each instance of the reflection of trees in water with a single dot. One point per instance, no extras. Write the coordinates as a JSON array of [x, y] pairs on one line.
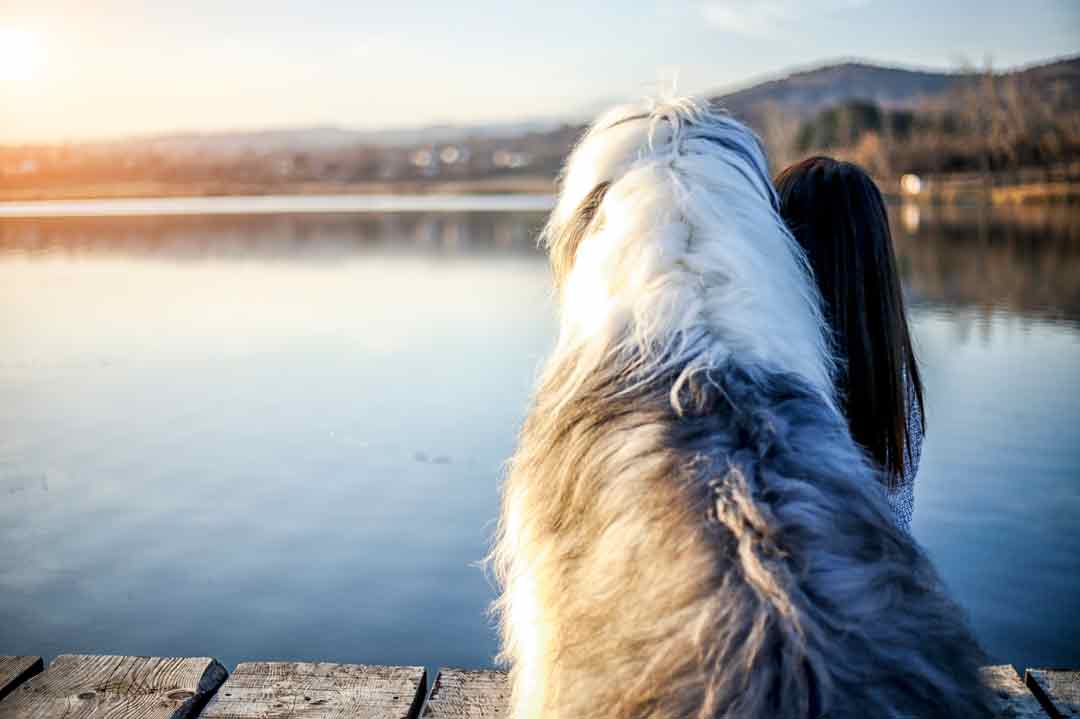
[[1022, 259], [272, 237]]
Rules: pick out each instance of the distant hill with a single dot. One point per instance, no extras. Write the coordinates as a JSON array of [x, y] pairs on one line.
[[807, 92], [801, 94], [314, 139], [1059, 80], [890, 120], [811, 90]]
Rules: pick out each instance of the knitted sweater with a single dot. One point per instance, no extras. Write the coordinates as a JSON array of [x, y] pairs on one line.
[[902, 496]]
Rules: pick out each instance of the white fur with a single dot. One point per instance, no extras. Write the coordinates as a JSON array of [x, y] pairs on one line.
[[685, 227]]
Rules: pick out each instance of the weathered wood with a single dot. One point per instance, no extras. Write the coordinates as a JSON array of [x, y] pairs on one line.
[[461, 693], [84, 687], [89, 687], [16, 670], [1014, 701], [1058, 690], [468, 693], [305, 690]]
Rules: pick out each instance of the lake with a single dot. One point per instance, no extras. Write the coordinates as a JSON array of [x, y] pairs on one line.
[[264, 435]]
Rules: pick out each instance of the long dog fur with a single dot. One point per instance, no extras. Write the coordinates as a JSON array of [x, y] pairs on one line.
[[688, 529]]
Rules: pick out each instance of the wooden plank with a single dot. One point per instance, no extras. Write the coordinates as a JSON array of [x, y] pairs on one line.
[[16, 670], [1058, 690], [84, 687], [469, 693], [1014, 701], [308, 690], [463, 693]]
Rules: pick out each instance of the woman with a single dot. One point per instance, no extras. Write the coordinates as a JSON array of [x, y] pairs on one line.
[[837, 214]]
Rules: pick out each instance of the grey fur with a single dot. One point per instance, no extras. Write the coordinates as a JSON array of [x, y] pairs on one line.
[[741, 563]]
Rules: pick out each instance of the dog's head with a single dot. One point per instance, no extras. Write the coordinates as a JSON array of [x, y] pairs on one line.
[[667, 234]]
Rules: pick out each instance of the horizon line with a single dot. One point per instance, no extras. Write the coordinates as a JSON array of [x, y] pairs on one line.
[[569, 118]]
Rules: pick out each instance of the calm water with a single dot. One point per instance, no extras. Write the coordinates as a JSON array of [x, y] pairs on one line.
[[279, 436]]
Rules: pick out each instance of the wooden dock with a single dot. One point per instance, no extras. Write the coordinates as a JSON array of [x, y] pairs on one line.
[[92, 687]]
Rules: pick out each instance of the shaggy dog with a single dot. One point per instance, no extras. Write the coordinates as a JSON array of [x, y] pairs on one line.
[[688, 529]]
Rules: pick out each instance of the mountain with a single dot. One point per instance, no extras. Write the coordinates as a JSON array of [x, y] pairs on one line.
[[811, 90], [806, 92], [800, 95], [890, 120]]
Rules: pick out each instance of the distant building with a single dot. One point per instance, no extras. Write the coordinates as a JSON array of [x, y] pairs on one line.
[[451, 154], [910, 185], [510, 159], [422, 158]]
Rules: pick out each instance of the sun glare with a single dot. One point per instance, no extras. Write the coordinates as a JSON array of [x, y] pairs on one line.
[[21, 55]]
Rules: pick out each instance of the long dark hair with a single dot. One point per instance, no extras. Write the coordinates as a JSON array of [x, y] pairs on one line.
[[838, 216]]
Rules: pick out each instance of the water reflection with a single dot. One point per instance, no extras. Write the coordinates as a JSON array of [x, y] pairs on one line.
[[279, 436], [1025, 260], [292, 238], [1022, 259]]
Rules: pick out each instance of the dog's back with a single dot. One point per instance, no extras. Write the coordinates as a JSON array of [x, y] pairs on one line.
[[688, 529]]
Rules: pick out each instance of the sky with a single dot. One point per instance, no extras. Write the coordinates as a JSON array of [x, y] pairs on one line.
[[87, 69]]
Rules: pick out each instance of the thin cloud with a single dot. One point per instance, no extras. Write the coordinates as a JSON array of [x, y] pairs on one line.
[[760, 18]]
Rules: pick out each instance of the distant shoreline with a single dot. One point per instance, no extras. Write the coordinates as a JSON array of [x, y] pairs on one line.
[[275, 205], [948, 189], [525, 184]]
